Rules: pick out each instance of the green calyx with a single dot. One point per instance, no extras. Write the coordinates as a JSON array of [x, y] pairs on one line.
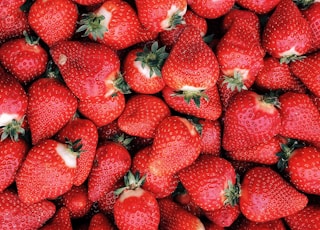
[[291, 58], [196, 123], [153, 58], [75, 147], [233, 192], [12, 130], [175, 20], [192, 95], [272, 98], [235, 82], [30, 40], [303, 4], [121, 85], [286, 152], [91, 25], [123, 140], [131, 182]]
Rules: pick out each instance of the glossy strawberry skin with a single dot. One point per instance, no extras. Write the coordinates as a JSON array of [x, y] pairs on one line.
[[209, 9], [245, 224], [61, 220], [210, 137], [100, 222], [312, 16], [307, 218], [259, 7], [224, 216]]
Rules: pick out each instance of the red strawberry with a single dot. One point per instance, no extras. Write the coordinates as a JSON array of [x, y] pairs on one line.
[[111, 162], [250, 119], [259, 7], [61, 220], [136, 208], [24, 58], [204, 104], [298, 112], [51, 105], [48, 171], [175, 217], [109, 131], [86, 131], [308, 71], [53, 20], [87, 77], [142, 115], [210, 137], [168, 15], [11, 156], [245, 224], [224, 216], [14, 214], [182, 197], [211, 9], [225, 93], [191, 66], [287, 34], [307, 219], [88, 2], [316, 101], [210, 181], [142, 68], [266, 196], [174, 135], [100, 222]]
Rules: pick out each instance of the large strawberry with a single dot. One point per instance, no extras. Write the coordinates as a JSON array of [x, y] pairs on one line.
[[250, 119], [51, 105], [53, 20], [287, 34], [211, 9], [136, 208], [48, 171], [307, 218], [266, 196], [259, 7]]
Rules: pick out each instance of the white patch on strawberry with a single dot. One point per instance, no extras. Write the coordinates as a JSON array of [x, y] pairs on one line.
[[107, 16], [67, 156], [191, 88], [290, 52], [166, 23], [6, 118], [138, 192], [144, 71], [62, 59]]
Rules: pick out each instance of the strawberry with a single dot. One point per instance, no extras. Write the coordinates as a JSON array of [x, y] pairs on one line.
[[245, 224], [183, 198], [100, 222], [259, 7], [142, 115], [307, 70], [159, 186], [84, 129], [211, 9], [210, 181], [266, 196], [15, 214], [307, 218], [287, 35], [316, 101], [297, 112], [174, 216], [194, 72], [225, 93], [204, 104], [51, 105], [111, 162], [13, 20], [13, 107], [210, 136], [89, 69], [135, 208], [48, 171], [168, 15], [63, 14], [109, 131], [173, 136], [142, 68], [250, 119], [24, 58], [12, 154], [225, 216], [88, 2], [61, 220]]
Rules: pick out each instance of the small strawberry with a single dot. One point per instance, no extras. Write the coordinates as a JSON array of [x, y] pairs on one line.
[[48, 171], [211, 9], [135, 208], [287, 35], [225, 216], [51, 105], [61, 220], [307, 218], [53, 20], [100, 222], [259, 7], [266, 196], [210, 136], [183, 198]]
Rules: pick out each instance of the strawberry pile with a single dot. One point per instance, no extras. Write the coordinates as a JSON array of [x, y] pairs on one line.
[[145, 114]]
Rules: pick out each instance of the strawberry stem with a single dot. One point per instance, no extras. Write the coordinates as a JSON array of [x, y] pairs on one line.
[[235, 82], [121, 85], [191, 95], [233, 192], [291, 58], [286, 152], [131, 182], [91, 24], [12, 130], [74, 146], [175, 20]]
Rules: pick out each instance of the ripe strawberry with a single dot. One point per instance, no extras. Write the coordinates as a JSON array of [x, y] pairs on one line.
[[87, 77], [266, 196], [225, 216], [142, 68], [204, 104], [191, 66], [84, 129], [58, 15], [15, 214], [210, 137], [307, 218], [51, 105], [13, 107], [61, 220], [159, 186], [168, 15], [297, 112], [142, 115], [173, 216], [48, 171], [100, 222], [211, 9], [315, 100], [250, 119], [183, 198], [210, 181], [287, 35], [88, 2], [259, 7], [107, 201], [245, 224], [135, 208], [225, 93], [24, 58], [111, 162], [308, 71], [174, 135], [109, 131], [12, 154]]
